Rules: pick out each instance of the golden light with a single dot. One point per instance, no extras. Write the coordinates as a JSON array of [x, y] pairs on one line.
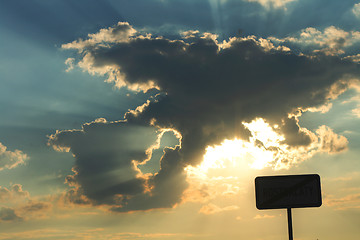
[[257, 153], [225, 166], [233, 163]]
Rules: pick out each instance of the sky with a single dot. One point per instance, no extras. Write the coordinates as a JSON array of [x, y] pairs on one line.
[[150, 119]]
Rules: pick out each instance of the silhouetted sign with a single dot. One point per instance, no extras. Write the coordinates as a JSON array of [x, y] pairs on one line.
[[288, 191]]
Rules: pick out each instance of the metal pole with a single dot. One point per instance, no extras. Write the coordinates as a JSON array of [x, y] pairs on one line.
[[290, 230]]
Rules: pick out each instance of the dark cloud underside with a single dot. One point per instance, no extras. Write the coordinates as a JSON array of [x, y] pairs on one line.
[[206, 91]]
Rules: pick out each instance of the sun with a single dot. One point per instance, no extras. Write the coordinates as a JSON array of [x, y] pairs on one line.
[[257, 153]]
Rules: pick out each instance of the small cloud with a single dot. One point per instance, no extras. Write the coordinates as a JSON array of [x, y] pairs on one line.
[[70, 64], [356, 10], [351, 201], [190, 34], [11, 159], [8, 214], [331, 142], [330, 41], [269, 4], [122, 32], [212, 209], [35, 209], [36, 206], [348, 177], [356, 86], [14, 193], [356, 112], [265, 216]]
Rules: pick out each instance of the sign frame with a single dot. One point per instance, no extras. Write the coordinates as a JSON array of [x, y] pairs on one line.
[[288, 186]]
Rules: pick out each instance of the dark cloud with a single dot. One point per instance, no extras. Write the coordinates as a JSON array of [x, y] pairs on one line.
[[104, 158], [294, 135], [8, 214], [35, 209], [35, 206], [107, 155], [211, 91], [206, 91], [167, 185]]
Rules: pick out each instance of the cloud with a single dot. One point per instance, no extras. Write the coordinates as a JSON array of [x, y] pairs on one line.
[[356, 99], [331, 41], [9, 159], [107, 155], [265, 216], [351, 201], [331, 142], [203, 90], [34, 209], [120, 33], [70, 63], [356, 10], [19, 205], [15, 193], [272, 3], [212, 209], [8, 214]]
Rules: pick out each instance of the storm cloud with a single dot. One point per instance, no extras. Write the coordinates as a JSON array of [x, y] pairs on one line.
[[204, 90]]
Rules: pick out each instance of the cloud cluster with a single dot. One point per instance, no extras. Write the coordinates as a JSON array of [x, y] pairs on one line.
[[15, 193], [106, 169], [8, 214], [32, 209], [18, 205], [203, 90], [11, 159], [330, 41]]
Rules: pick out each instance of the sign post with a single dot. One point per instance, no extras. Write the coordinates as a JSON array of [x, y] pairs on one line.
[[288, 191], [290, 230]]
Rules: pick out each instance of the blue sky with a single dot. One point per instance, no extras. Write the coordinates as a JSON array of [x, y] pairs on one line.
[[131, 113]]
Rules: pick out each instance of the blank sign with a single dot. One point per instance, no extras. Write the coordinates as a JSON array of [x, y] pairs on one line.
[[288, 191]]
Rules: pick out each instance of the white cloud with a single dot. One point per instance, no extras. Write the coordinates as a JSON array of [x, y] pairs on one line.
[[272, 3], [356, 10], [265, 216], [331, 142], [120, 33], [70, 63], [9, 159], [331, 41]]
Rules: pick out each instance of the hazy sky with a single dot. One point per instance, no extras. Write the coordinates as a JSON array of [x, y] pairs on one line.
[[150, 119]]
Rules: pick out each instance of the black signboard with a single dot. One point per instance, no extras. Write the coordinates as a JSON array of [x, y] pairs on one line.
[[288, 191]]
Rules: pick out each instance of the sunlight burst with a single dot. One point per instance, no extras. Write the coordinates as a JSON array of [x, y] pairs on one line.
[[260, 152]]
